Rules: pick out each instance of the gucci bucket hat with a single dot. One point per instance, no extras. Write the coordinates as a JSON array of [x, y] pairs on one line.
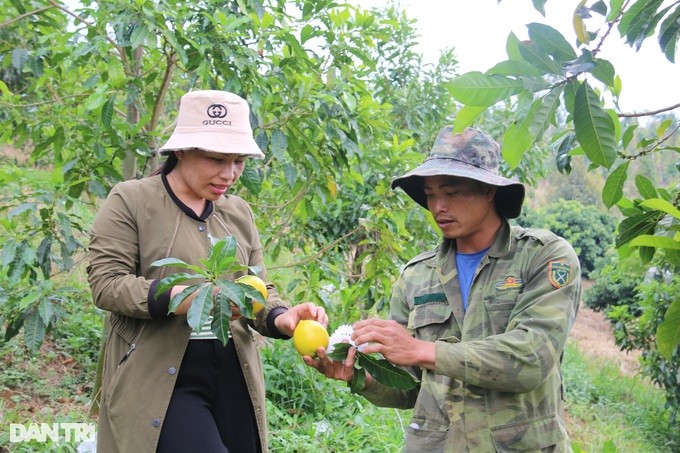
[[213, 120]]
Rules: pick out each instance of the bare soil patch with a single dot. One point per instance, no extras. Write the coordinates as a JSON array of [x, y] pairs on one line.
[[593, 334]]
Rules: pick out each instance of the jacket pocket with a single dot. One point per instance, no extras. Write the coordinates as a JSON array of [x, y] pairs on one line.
[[426, 435], [430, 320], [538, 434], [499, 309], [129, 337]]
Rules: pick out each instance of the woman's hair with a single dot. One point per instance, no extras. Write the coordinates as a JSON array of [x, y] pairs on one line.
[[167, 165]]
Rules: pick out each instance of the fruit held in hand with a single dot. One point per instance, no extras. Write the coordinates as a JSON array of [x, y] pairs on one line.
[[308, 336], [257, 283]]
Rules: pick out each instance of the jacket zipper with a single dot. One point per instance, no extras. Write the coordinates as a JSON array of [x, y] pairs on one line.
[[127, 354]]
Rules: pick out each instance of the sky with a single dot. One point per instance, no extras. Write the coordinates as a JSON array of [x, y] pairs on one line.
[[478, 30]]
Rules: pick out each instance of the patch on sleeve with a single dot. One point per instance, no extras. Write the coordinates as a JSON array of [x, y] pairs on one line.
[[559, 273]]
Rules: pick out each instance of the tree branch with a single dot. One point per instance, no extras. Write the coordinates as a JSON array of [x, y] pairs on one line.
[[650, 113], [25, 15], [319, 253], [650, 149]]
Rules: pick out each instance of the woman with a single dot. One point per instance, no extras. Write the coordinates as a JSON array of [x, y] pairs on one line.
[[166, 388]]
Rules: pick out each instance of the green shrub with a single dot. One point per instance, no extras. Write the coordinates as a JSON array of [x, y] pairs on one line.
[[615, 283], [589, 230], [635, 328]]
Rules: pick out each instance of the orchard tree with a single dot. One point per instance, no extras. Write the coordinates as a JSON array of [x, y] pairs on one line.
[[557, 91], [88, 93]]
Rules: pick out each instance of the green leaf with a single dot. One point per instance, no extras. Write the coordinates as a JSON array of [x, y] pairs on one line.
[[466, 116], [668, 332], [613, 187], [233, 292], [107, 111], [514, 67], [594, 127], [175, 279], [645, 187], [174, 262], [512, 47], [290, 173], [536, 55], [176, 301], [252, 293], [19, 59], [628, 135], [646, 253], [44, 256], [200, 308], [339, 352], [223, 255], [539, 5], [639, 21], [386, 373], [661, 205], [604, 72], [477, 89], [252, 178], [46, 311], [615, 6], [138, 35], [636, 225], [34, 330], [551, 41], [669, 34], [660, 242], [543, 111], [220, 322], [516, 141], [23, 207], [278, 143]]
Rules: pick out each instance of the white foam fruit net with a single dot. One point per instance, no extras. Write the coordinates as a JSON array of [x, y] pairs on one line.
[[343, 334]]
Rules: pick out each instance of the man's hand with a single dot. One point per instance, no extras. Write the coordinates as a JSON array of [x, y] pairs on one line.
[[342, 371], [394, 342]]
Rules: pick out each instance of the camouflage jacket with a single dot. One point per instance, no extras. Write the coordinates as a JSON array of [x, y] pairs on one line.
[[497, 384]]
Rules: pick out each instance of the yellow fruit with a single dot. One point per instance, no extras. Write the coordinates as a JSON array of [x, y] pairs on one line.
[[308, 336], [257, 283]]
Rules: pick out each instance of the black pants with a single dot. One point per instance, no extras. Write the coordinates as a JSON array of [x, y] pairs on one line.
[[210, 410]]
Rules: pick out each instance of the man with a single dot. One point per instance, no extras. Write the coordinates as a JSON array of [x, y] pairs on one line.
[[481, 321]]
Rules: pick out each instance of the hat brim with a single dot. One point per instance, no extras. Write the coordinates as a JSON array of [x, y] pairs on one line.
[[509, 195], [217, 142]]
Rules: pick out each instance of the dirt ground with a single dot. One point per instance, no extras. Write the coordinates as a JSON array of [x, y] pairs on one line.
[[594, 336]]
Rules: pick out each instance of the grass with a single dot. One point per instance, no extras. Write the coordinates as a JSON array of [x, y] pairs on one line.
[[604, 407]]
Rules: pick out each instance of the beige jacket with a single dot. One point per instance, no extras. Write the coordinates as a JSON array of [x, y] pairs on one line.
[[138, 224]]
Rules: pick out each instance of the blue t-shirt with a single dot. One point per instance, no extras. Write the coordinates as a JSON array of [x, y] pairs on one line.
[[467, 265]]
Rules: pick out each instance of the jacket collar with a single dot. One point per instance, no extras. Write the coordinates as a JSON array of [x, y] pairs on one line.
[[184, 208]]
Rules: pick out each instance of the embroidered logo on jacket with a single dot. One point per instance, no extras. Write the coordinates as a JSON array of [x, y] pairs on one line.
[[509, 283], [559, 273]]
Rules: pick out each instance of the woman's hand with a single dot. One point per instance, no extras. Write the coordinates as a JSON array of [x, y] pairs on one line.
[[186, 303], [288, 320]]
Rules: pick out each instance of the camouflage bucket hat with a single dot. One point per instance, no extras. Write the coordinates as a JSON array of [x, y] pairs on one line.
[[470, 154]]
